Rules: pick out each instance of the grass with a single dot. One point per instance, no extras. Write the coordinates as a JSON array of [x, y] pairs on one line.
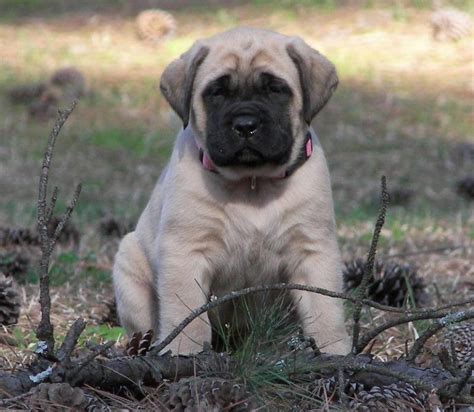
[[130, 126], [262, 349]]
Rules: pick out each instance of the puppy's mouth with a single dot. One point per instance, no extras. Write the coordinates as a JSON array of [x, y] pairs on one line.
[[247, 157], [248, 163]]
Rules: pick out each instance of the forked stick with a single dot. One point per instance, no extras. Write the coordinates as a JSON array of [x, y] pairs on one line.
[[45, 330]]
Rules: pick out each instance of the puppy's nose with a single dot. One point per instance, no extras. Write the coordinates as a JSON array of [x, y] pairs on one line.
[[245, 125]]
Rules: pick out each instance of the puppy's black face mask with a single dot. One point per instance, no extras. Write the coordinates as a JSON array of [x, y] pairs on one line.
[[248, 124]]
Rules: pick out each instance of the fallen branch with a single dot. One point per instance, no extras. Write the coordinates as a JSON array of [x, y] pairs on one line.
[[99, 350], [133, 372]]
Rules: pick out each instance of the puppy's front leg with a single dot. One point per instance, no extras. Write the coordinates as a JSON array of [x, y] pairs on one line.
[[183, 287], [137, 305], [322, 316]]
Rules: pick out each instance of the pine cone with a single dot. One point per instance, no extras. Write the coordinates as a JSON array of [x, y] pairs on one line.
[[70, 80], [111, 227], [9, 301], [389, 398], [212, 363], [14, 264], [388, 286], [400, 196], [465, 187], [18, 236], [24, 236], [111, 316], [450, 24], [329, 386], [463, 153], [204, 394], [26, 93], [462, 338], [45, 106], [155, 25], [321, 389], [139, 344], [57, 397]]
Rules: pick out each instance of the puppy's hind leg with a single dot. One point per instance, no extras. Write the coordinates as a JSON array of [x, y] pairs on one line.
[[137, 305]]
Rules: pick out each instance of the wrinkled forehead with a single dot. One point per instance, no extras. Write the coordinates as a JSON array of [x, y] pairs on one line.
[[244, 58]]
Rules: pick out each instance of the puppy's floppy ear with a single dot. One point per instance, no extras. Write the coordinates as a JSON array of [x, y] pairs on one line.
[[177, 80], [317, 75]]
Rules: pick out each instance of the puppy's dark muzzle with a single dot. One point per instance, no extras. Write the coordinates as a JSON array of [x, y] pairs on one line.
[[249, 137]]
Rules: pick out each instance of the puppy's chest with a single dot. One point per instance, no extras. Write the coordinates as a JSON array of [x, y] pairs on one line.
[[256, 249]]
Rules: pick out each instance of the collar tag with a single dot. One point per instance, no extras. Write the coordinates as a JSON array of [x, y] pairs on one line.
[[253, 182]]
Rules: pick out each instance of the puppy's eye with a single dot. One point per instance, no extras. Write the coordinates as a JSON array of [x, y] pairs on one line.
[[275, 88], [219, 87], [217, 91], [274, 85]]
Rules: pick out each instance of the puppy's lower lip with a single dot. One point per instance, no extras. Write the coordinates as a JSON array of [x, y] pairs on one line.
[[249, 156]]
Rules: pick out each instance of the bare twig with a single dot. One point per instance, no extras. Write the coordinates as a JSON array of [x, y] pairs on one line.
[[468, 301], [314, 347], [466, 375], [465, 400], [65, 217], [65, 351], [446, 360], [341, 386], [444, 387], [52, 205], [435, 327], [428, 314], [361, 291], [99, 350], [373, 333], [382, 374], [45, 330]]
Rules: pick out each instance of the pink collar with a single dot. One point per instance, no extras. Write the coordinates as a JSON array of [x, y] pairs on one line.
[[305, 154]]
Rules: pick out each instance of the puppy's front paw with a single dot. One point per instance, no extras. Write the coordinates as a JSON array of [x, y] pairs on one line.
[[190, 340], [342, 346], [182, 345]]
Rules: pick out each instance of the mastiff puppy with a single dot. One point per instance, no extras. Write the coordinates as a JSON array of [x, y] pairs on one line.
[[246, 197]]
